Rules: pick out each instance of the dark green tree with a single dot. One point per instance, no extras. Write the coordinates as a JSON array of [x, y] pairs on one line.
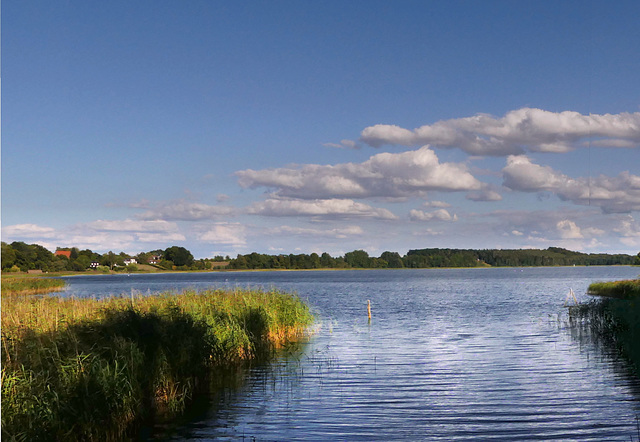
[[358, 259], [179, 256], [393, 259], [8, 256]]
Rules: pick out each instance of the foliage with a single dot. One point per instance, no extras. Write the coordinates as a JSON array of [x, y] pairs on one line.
[[86, 369]]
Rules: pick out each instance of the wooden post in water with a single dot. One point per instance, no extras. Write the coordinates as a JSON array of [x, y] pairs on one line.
[[369, 309], [569, 296]]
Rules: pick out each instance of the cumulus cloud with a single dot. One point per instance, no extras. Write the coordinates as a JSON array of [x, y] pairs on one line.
[[182, 210], [619, 194], [383, 175], [437, 215], [225, 233], [629, 231], [334, 208], [568, 230], [518, 131]]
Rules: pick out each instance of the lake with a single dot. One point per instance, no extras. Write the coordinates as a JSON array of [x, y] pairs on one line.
[[450, 354]]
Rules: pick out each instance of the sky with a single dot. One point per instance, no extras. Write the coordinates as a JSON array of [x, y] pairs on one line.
[[300, 127]]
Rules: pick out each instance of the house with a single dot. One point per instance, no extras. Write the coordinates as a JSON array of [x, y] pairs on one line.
[[155, 259], [65, 253], [130, 261], [94, 264]]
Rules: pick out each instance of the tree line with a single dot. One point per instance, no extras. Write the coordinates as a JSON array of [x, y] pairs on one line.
[[429, 258], [19, 256]]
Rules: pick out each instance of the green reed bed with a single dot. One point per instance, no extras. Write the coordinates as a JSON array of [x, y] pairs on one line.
[[613, 322], [29, 285], [616, 289], [86, 369]]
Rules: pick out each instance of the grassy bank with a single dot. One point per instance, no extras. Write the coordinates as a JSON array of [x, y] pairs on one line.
[[616, 289], [29, 285], [94, 369]]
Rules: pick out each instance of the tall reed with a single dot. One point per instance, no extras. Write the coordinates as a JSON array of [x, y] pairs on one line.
[[625, 289], [614, 323], [29, 285], [87, 369]]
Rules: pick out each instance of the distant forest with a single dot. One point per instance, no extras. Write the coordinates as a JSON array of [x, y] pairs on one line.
[[19, 256], [429, 258]]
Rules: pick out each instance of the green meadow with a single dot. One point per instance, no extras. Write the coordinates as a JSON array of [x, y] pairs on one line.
[[96, 369]]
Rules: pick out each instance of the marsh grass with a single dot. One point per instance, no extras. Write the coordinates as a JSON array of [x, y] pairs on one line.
[[88, 369], [613, 323], [616, 289], [29, 285]]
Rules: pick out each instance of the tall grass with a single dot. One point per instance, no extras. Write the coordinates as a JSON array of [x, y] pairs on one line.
[[29, 285], [613, 322], [616, 289], [86, 369]]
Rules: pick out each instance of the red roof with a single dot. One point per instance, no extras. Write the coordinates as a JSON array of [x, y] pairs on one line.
[[66, 253]]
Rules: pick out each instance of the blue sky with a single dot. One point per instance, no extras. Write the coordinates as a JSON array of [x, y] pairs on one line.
[[299, 127]]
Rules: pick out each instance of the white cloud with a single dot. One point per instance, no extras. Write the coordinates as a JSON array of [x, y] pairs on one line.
[[225, 233], [320, 207], [340, 232], [619, 194], [484, 195], [27, 231], [182, 210], [521, 174], [437, 215], [518, 131], [629, 231], [344, 144], [568, 230], [440, 204], [129, 225], [383, 175]]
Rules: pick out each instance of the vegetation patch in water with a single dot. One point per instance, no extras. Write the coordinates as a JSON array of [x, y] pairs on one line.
[[87, 369], [29, 285], [613, 322], [616, 289]]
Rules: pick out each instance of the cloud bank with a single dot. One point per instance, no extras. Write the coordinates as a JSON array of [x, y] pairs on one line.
[[328, 208], [619, 194], [383, 175], [521, 130]]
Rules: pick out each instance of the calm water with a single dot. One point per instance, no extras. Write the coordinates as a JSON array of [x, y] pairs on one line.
[[456, 354]]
